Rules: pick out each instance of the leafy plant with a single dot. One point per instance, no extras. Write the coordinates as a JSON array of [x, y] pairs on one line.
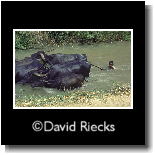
[[33, 39]]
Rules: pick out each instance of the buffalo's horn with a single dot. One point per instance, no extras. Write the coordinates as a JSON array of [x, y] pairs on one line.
[[42, 56], [39, 75]]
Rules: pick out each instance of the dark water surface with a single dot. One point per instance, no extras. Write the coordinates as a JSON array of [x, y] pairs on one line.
[[98, 54]]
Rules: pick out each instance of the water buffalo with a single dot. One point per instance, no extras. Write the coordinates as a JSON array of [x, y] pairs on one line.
[[33, 77], [63, 58], [22, 69], [42, 56], [58, 58], [56, 70], [25, 61], [76, 67], [66, 82], [38, 54]]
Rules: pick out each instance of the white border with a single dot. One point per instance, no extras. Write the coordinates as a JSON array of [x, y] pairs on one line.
[[14, 107]]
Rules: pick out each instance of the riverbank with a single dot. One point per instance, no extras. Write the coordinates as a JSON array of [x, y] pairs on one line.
[[120, 96], [107, 101]]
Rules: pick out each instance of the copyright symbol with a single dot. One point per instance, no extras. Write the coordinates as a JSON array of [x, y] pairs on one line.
[[37, 126]]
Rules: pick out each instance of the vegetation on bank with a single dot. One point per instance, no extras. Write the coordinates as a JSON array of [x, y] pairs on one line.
[[118, 96], [39, 39]]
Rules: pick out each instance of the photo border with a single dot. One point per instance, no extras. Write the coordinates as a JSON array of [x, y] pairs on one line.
[[131, 30]]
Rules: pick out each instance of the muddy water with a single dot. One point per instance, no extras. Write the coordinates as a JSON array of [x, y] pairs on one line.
[[98, 54]]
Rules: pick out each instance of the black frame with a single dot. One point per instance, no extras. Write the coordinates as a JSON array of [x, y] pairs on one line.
[[130, 123]]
